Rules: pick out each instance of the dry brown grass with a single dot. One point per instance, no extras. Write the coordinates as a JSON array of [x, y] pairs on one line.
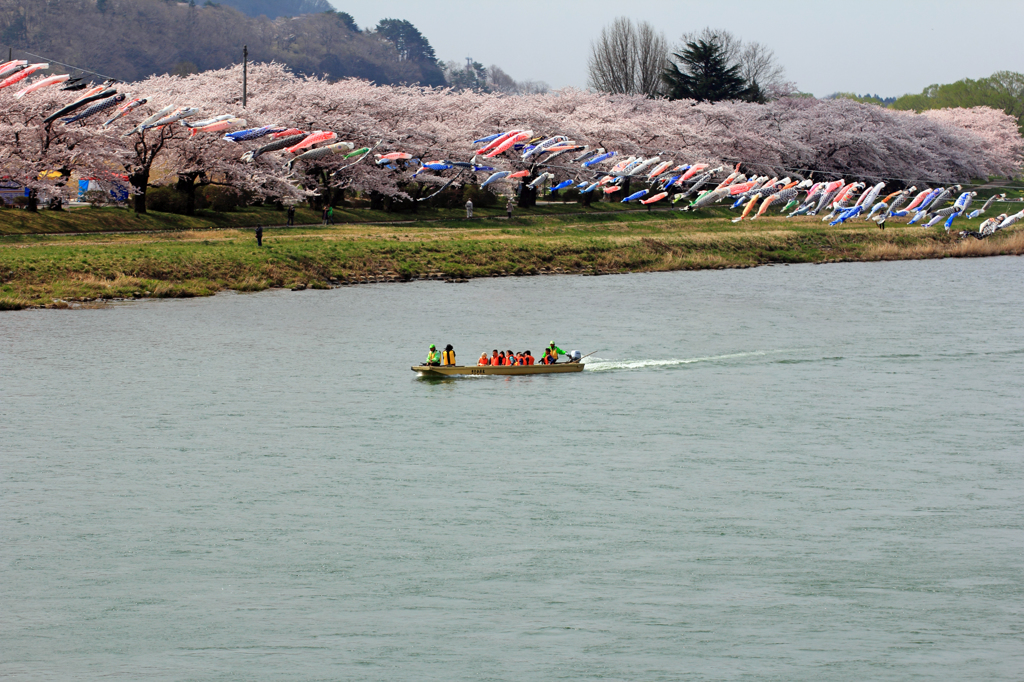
[[999, 245]]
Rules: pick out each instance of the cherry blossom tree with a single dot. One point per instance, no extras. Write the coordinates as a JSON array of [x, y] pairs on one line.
[[835, 138]]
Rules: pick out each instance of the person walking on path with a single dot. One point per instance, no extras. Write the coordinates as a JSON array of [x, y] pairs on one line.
[[291, 215], [508, 208], [259, 235], [324, 216], [469, 209]]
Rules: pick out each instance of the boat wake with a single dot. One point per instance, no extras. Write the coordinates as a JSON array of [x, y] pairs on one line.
[[600, 365]]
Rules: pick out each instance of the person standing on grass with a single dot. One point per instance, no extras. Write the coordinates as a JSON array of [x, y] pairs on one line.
[[469, 209], [259, 235], [508, 208], [324, 215], [330, 215], [291, 215]]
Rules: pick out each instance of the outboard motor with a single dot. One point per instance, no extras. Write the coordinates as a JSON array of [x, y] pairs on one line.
[[575, 356]]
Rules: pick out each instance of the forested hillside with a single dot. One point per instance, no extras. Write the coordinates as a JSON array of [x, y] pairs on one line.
[[278, 8], [132, 39], [1002, 90]]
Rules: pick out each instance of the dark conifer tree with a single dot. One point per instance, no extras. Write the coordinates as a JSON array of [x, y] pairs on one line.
[[702, 72]]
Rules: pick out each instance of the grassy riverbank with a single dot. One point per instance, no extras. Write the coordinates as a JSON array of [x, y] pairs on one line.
[[37, 270], [89, 220]]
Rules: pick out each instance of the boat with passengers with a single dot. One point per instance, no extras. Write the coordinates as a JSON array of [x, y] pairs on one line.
[[500, 370], [574, 364]]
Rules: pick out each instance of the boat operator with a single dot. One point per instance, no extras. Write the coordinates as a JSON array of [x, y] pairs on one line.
[[555, 352], [448, 356], [433, 356]]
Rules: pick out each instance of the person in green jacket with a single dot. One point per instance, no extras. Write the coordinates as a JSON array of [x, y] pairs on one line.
[[433, 356], [555, 351]]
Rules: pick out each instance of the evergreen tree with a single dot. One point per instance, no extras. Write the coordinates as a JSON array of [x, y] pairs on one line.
[[702, 72], [412, 46]]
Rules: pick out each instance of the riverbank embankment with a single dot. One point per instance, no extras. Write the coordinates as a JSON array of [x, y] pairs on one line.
[[70, 270]]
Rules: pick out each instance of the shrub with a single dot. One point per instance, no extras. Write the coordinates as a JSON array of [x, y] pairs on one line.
[[165, 200], [97, 198], [481, 198], [222, 199]]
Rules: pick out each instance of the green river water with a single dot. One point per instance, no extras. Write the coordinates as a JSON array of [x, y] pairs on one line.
[[782, 473]]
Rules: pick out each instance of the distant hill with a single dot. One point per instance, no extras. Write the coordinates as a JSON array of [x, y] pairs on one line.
[[272, 9], [132, 39]]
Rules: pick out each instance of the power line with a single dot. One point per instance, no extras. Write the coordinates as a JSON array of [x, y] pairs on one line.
[[70, 66]]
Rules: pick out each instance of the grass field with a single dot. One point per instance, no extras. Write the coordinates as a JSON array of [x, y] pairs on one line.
[[191, 259], [85, 220]]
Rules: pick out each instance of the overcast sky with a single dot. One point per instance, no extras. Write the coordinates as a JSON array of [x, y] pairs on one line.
[[880, 47]]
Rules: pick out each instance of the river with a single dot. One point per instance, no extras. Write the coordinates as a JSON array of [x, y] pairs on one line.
[[781, 473]]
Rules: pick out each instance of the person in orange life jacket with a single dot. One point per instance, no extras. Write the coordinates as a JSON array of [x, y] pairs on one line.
[[495, 360], [483, 360], [529, 357]]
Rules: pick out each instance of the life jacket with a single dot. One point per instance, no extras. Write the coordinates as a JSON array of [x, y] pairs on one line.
[[483, 361], [448, 357], [520, 359], [495, 360], [528, 359]]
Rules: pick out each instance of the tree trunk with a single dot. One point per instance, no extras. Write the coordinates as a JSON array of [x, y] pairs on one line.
[[376, 201], [416, 197], [187, 186], [139, 181], [527, 195]]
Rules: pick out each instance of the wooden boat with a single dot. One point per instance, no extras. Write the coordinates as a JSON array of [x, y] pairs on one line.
[[500, 370]]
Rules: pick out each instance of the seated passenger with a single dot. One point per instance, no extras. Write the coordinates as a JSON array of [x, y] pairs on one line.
[[448, 356], [494, 358], [520, 359], [529, 358], [483, 360], [433, 356], [547, 359], [501, 359], [510, 358]]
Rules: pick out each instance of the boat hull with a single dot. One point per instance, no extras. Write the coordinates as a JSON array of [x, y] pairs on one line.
[[499, 370]]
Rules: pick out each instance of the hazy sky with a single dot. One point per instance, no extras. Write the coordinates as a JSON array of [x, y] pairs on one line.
[[885, 48]]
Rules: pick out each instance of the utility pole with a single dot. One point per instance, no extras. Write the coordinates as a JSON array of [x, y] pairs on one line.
[[245, 75]]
